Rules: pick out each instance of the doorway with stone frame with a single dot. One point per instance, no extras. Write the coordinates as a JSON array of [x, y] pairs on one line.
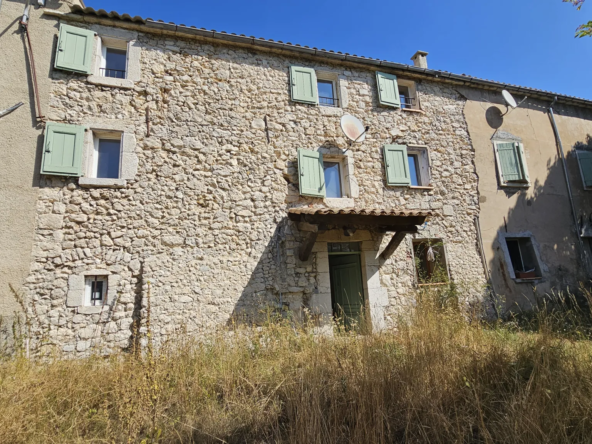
[[347, 287]]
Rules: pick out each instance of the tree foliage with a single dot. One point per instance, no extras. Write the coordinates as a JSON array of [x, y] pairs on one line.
[[585, 29]]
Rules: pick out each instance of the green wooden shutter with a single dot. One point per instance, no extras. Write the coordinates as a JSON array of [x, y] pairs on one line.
[[312, 174], [585, 159], [388, 89], [396, 165], [62, 151], [304, 85], [509, 162], [75, 49]]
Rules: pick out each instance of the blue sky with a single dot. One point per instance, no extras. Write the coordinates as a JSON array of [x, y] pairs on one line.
[[524, 42]]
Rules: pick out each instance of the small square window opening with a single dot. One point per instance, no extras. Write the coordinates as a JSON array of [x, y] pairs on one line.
[[430, 261], [106, 157], [523, 258], [332, 179], [95, 290], [327, 96]]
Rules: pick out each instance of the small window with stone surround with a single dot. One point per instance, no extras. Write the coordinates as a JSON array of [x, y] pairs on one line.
[[92, 290], [109, 157], [328, 89], [408, 95], [419, 166], [116, 57]]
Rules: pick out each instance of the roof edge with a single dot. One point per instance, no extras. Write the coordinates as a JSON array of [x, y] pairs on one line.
[[91, 15]]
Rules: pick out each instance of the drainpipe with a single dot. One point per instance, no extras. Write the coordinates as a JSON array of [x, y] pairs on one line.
[[568, 184]]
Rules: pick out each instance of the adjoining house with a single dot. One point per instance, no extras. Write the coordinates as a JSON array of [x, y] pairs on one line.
[[208, 172]]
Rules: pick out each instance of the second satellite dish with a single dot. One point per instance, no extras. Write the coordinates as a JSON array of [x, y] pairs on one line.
[[509, 99], [353, 128]]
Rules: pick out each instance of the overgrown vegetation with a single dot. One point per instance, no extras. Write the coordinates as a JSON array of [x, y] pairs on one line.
[[439, 378]]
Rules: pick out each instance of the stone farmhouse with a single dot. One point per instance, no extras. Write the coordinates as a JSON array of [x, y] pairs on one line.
[[208, 174]]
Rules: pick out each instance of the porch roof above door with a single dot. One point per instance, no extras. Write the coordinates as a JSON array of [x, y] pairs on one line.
[[379, 219], [315, 220]]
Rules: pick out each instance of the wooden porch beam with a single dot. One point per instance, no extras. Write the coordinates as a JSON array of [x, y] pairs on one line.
[[396, 241], [307, 244]]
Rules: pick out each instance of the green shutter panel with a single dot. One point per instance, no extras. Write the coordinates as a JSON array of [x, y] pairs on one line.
[[75, 49], [312, 174], [388, 89], [509, 162], [304, 85], [62, 150], [396, 165], [585, 159]]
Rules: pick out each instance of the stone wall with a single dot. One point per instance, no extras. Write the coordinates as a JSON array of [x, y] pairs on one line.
[[203, 228]]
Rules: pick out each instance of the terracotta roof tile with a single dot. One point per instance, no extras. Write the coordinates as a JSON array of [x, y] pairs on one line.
[[361, 212]]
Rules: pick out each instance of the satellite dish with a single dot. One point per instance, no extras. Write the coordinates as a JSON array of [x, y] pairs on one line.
[[509, 99], [353, 128]]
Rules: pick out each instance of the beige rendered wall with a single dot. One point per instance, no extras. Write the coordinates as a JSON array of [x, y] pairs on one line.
[[543, 210], [20, 138]]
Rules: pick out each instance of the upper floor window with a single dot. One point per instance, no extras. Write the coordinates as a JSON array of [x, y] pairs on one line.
[[113, 62], [327, 96], [407, 165], [511, 163], [327, 173], [396, 93], [110, 57], [314, 87], [332, 173], [106, 157]]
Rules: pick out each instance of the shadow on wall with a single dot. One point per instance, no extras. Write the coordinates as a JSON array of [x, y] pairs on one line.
[[280, 285], [538, 234]]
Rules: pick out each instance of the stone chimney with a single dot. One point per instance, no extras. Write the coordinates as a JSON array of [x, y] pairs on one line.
[[420, 59]]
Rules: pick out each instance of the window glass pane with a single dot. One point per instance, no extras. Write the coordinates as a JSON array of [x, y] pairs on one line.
[[326, 96], [116, 61], [413, 176], [404, 96], [332, 179], [108, 159]]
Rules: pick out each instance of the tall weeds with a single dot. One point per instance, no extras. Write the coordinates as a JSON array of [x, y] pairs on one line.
[[437, 378]]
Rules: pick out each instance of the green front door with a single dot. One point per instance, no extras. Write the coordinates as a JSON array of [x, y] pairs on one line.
[[347, 291]]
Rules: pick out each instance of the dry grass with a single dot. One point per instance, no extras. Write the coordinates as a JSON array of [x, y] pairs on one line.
[[437, 379]]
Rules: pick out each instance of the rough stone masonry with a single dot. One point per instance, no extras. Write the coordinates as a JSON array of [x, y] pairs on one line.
[[202, 229]]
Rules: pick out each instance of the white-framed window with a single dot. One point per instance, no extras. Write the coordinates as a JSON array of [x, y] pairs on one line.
[[328, 89], [113, 58], [109, 157], [419, 166], [511, 163], [116, 57], [585, 164], [106, 156], [333, 178], [408, 95], [95, 290]]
